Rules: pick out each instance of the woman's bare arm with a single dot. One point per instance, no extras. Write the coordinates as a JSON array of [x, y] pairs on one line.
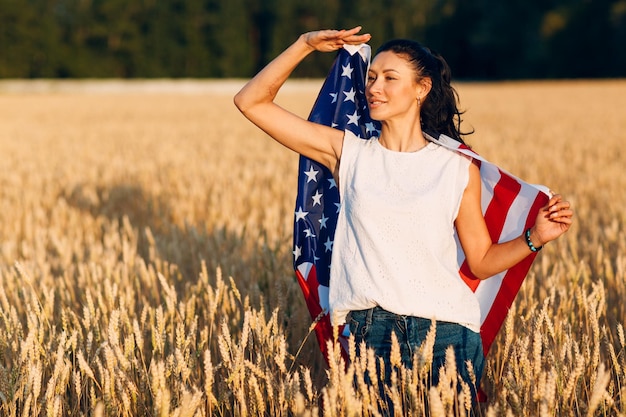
[[256, 99], [485, 258]]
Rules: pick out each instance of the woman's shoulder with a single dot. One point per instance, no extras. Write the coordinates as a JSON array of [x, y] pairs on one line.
[[350, 135], [352, 140], [453, 154]]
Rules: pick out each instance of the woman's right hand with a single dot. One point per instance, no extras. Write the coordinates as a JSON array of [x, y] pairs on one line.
[[332, 40]]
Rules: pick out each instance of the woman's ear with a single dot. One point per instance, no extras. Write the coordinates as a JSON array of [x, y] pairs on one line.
[[423, 88]]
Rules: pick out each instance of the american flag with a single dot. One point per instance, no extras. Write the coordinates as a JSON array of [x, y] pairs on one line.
[[509, 205]]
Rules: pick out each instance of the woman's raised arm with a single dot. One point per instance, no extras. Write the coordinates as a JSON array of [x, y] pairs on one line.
[[256, 99]]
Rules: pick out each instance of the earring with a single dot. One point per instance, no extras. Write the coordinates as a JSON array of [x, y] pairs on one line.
[[419, 102]]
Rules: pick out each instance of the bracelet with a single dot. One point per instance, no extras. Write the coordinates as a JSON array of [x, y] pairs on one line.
[[530, 243]]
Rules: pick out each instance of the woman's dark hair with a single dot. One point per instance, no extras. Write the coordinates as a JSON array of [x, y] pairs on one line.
[[439, 112]]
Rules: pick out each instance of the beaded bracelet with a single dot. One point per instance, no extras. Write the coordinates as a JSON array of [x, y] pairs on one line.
[[530, 243]]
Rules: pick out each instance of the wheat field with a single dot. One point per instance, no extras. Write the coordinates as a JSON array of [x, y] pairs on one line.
[[145, 258]]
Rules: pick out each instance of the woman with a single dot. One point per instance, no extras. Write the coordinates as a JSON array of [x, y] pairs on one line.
[[394, 266]]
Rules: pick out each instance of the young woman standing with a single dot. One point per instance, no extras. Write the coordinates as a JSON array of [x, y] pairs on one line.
[[393, 266]]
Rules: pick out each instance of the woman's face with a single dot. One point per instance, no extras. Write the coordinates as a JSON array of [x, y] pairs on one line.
[[392, 88]]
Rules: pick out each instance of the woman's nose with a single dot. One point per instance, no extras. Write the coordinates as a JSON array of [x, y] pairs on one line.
[[373, 86]]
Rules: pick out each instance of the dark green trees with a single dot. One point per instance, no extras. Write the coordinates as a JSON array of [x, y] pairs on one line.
[[481, 39]]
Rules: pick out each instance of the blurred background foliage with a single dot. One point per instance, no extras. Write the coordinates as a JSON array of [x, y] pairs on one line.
[[481, 39]]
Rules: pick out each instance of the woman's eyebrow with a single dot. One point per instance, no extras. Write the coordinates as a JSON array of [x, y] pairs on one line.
[[385, 70]]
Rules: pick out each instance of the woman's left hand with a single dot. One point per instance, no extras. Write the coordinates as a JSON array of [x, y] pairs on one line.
[[552, 221]]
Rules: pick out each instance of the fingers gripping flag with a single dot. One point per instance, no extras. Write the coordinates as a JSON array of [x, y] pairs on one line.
[[509, 205]]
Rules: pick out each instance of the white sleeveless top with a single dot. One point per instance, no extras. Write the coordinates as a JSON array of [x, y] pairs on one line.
[[394, 244]]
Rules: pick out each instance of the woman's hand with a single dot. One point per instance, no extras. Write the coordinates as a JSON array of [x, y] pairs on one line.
[[552, 221], [485, 258], [332, 40]]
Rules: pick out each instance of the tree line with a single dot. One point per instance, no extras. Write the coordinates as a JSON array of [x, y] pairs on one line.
[[480, 39]]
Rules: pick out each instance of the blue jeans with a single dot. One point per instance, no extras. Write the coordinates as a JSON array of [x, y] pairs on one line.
[[375, 326]]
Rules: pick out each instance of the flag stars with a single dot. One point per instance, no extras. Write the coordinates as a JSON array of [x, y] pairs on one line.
[[349, 95], [301, 215], [353, 118], [308, 233], [297, 252], [332, 182], [338, 205], [328, 245], [317, 198], [323, 221], [369, 127], [347, 71], [334, 96], [311, 175]]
